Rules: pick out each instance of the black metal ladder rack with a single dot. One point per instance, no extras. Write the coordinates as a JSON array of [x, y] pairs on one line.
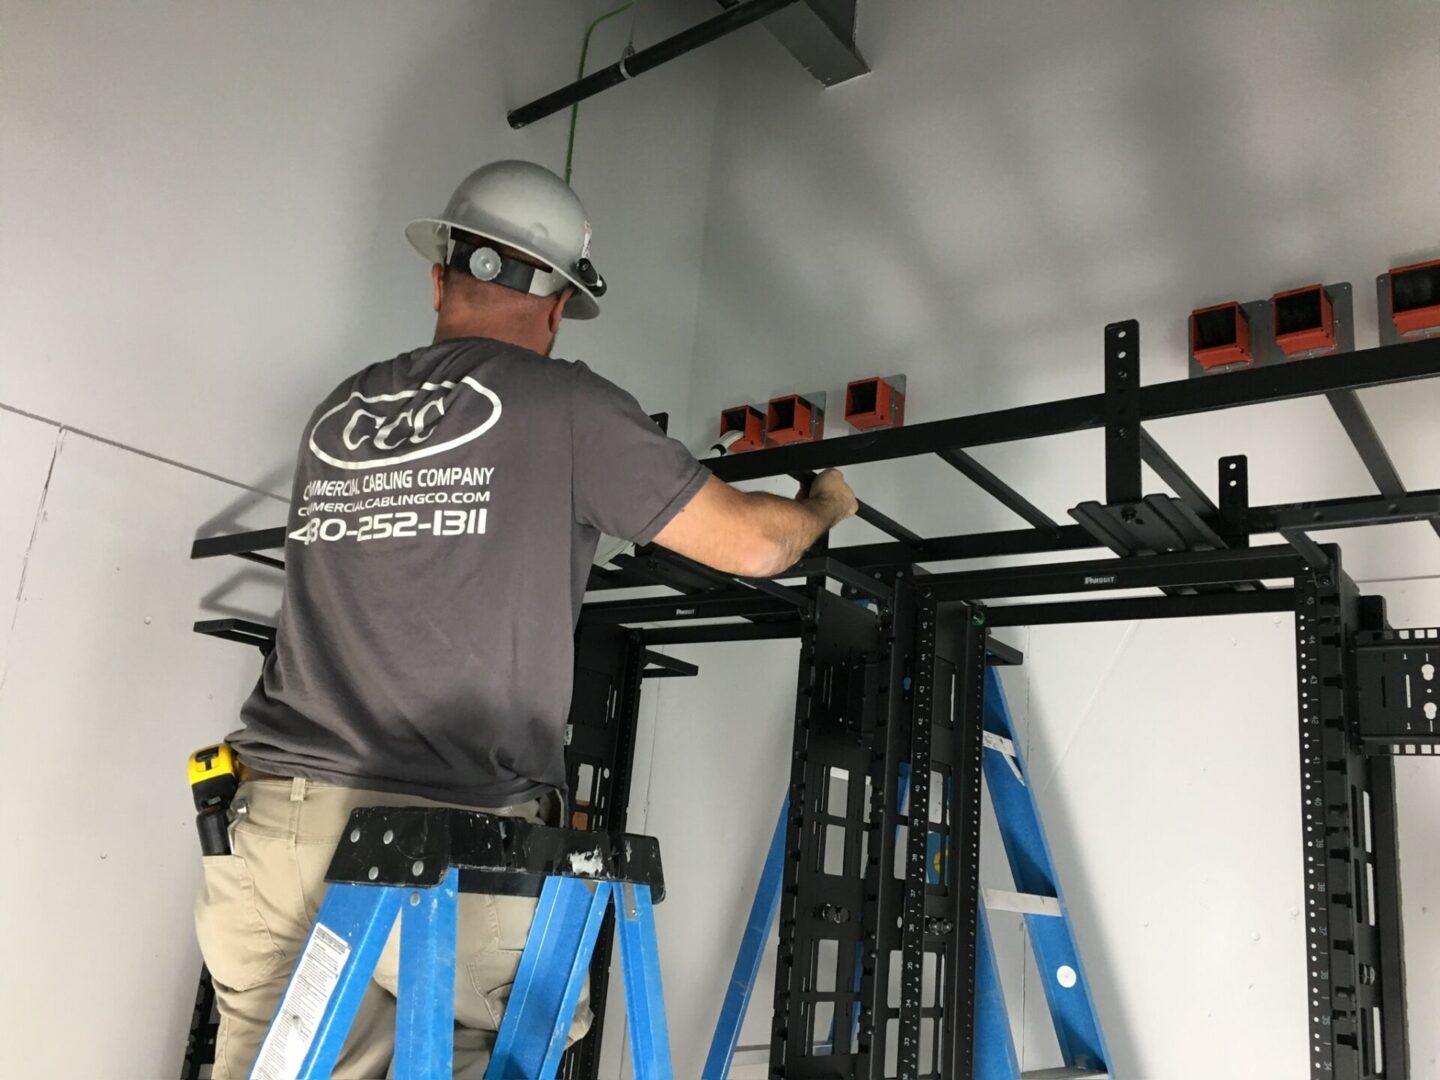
[[892, 654]]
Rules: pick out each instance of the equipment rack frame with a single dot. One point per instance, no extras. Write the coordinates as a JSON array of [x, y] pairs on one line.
[[892, 656]]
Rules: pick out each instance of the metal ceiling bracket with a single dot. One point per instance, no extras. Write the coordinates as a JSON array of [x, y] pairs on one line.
[[821, 35]]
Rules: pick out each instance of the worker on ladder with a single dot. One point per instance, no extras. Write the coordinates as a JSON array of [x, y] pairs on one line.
[[446, 507]]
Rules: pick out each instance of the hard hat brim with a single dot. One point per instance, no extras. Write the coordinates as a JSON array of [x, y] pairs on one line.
[[429, 237]]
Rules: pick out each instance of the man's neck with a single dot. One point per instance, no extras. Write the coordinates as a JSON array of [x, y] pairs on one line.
[[525, 336]]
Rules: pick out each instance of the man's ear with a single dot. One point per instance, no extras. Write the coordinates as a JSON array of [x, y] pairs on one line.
[[557, 313], [437, 282]]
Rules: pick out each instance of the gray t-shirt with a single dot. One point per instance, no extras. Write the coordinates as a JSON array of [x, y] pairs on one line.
[[446, 507]]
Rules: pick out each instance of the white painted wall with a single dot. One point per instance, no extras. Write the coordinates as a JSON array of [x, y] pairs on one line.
[[105, 691], [1009, 179], [202, 210], [203, 206]]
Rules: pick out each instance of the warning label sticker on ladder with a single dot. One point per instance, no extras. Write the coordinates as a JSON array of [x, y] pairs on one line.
[[298, 1018]]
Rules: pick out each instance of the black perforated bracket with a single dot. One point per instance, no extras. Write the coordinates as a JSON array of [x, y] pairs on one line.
[[1122, 412], [1234, 488], [416, 846], [1399, 677]]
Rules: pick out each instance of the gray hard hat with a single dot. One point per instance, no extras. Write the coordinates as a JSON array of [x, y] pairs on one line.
[[527, 207]]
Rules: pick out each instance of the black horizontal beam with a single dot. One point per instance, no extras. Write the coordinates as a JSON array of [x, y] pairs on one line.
[[1189, 492], [1182, 397], [888, 525], [1350, 411], [966, 546], [993, 486], [884, 444], [998, 654], [610, 577], [656, 566], [1259, 521], [868, 514], [246, 632], [262, 560], [662, 52], [1142, 607], [1178, 570], [1356, 421], [241, 543], [1346, 513], [746, 603], [685, 575], [651, 568], [660, 666], [697, 635], [827, 566], [1309, 550]]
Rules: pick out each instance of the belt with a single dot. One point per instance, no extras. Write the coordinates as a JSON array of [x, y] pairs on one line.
[[248, 774]]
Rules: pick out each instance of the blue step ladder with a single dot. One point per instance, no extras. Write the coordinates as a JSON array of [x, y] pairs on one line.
[[1037, 897], [412, 863]]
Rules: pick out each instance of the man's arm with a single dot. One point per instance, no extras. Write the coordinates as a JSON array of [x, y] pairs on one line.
[[754, 534]]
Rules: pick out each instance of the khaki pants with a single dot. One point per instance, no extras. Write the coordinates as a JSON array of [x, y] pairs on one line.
[[256, 907]]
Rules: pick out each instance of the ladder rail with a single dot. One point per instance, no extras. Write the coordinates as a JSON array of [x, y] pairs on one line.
[[534, 1030], [1066, 987], [749, 956], [332, 974], [425, 1001], [994, 1048]]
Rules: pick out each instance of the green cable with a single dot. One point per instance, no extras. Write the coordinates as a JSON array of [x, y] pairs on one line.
[[575, 109]]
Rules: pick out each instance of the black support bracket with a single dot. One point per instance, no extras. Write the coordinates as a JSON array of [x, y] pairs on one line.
[[1122, 412], [416, 846], [1234, 490]]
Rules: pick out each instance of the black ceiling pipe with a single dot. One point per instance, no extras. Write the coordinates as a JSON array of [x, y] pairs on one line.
[[727, 22]]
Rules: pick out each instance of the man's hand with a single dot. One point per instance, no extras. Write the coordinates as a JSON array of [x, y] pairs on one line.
[[830, 496], [754, 534]]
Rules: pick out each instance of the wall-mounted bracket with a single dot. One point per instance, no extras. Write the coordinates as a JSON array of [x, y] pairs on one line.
[[821, 35]]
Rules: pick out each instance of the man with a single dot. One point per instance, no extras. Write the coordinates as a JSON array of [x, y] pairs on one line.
[[447, 505]]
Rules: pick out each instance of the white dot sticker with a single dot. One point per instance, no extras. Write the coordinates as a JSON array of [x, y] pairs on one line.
[[1065, 976]]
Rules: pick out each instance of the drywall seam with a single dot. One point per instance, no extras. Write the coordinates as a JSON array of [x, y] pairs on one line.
[[30, 547], [143, 453], [1085, 714]]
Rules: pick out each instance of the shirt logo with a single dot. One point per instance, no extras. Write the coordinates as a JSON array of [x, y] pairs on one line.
[[371, 431]]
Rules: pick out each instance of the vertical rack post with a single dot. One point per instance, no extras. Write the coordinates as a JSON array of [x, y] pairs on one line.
[[1394, 1035], [917, 837], [609, 662], [1345, 969], [960, 879], [884, 891], [822, 932], [938, 947]]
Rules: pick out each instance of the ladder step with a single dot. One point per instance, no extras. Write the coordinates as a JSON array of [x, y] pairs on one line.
[[1006, 748], [1026, 904], [992, 741], [1065, 1072]]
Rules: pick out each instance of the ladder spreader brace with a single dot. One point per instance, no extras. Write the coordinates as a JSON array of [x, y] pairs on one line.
[[411, 863]]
